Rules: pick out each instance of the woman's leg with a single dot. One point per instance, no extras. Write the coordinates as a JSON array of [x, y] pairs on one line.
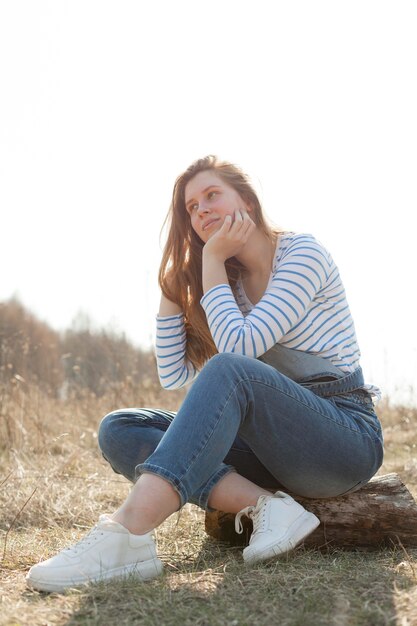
[[128, 437], [113, 549], [309, 444], [306, 443], [152, 499]]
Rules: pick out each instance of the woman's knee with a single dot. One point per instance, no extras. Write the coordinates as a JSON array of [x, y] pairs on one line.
[[226, 358], [114, 426], [121, 429], [227, 365], [106, 430]]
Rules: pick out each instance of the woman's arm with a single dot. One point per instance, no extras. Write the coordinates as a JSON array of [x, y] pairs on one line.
[[168, 308], [303, 271], [226, 243], [214, 272], [174, 369]]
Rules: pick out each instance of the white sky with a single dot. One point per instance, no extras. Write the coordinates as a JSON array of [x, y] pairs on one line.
[[104, 103]]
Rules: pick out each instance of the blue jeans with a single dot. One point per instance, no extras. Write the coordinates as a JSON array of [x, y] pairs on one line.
[[317, 438]]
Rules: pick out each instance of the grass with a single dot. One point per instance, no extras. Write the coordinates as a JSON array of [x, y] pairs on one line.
[[53, 486]]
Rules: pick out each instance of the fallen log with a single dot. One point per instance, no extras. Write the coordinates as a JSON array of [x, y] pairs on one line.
[[381, 512]]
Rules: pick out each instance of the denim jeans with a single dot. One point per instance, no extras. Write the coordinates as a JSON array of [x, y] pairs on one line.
[[317, 438]]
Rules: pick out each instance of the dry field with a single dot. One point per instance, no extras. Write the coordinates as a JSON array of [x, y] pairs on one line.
[[54, 485]]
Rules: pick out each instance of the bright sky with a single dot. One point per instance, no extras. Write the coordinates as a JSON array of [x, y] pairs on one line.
[[104, 102]]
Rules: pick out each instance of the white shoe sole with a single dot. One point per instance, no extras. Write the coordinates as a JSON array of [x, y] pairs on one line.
[[145, 570], [299, 530]]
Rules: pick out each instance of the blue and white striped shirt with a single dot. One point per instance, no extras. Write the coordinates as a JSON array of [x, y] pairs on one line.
[[304, 307]]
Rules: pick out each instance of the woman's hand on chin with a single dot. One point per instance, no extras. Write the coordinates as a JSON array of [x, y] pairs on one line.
[[231, 237]]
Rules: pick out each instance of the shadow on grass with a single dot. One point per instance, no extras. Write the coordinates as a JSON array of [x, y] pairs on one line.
[[214, 588]]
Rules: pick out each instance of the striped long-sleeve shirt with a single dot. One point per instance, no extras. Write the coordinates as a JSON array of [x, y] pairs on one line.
[[304, 307]]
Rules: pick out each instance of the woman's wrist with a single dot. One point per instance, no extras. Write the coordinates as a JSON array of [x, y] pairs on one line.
[[214, 271], [212, 255], [167, 307]]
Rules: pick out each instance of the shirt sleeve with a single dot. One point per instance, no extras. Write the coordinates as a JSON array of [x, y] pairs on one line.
[[174, 369], [300, 274]]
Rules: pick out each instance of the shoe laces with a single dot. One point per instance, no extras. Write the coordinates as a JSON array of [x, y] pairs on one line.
[[255, 513], [85, 541]]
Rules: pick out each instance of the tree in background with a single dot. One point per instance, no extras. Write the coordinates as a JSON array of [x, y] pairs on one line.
[[29, 349], [78, 359]]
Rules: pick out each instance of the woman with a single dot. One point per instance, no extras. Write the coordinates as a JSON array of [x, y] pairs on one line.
[[280, 401]]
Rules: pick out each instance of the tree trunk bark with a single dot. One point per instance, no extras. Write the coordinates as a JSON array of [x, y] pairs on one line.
[[381, 512]]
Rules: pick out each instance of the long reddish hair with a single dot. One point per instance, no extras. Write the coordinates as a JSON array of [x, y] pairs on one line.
[[180, 272]]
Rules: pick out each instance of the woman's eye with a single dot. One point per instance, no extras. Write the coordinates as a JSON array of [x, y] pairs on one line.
[[192, 207], [211, 194]]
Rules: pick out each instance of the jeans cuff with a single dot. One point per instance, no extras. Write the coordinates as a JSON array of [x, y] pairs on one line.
[[148, 468], [212, 482]]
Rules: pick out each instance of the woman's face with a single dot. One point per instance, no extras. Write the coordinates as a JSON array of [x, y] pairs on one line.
[[208, 200]]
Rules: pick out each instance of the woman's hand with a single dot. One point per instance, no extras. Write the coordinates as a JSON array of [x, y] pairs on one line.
[[231, 236]]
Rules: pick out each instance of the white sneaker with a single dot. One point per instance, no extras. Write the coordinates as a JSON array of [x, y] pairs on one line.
[[279, 524], [108, 551]]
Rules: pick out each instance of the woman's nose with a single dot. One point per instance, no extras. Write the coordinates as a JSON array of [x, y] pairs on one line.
[[202, 208]]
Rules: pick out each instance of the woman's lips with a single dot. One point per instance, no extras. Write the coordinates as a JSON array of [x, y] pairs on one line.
[[210, 223]]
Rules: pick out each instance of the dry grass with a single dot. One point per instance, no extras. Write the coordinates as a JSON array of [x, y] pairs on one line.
[[53, 486]]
